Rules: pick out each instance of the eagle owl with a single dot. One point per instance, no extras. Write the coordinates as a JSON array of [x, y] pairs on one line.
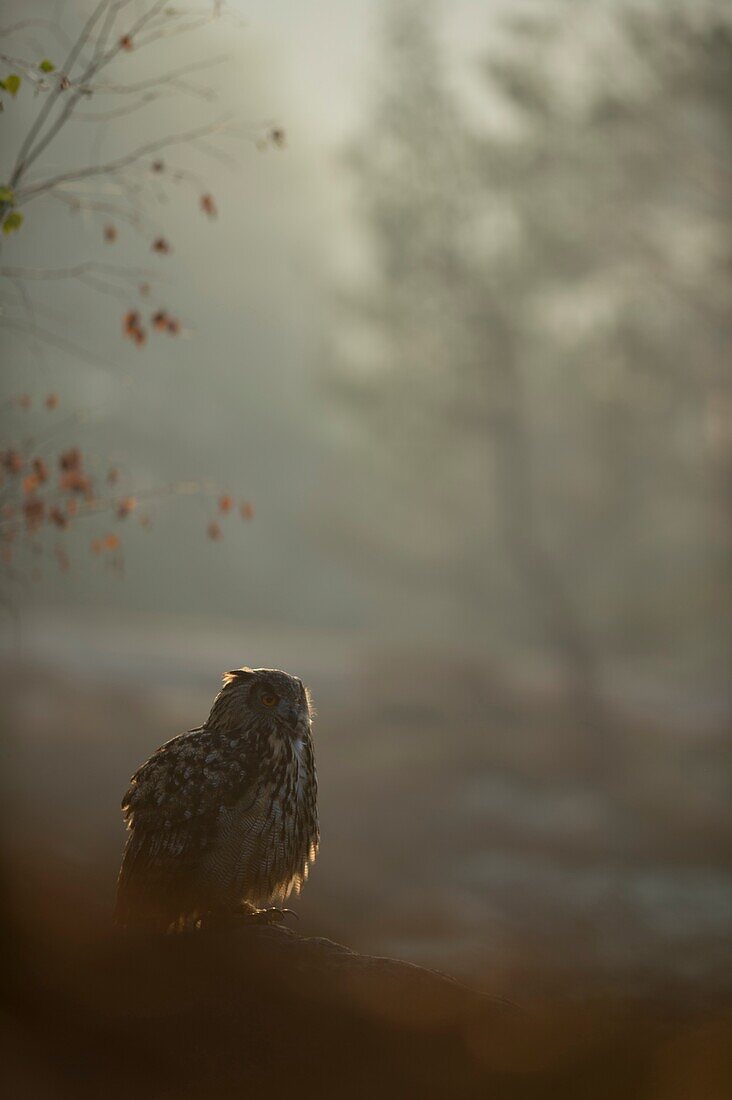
[[223, 819]]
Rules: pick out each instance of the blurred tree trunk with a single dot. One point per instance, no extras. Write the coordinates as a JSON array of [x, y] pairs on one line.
[[546, 588], [547, 314]]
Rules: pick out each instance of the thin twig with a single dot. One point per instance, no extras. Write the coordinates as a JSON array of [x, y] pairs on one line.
[[112, 503], [171, 32], [30, 192], [88, 266], [164, 91], [29, 69], [154, 82], [49, 24], [97, 62], [139, 221], [58, 342], [49, 102]]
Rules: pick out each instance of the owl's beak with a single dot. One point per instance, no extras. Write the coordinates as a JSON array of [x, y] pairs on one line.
[[290, 714]]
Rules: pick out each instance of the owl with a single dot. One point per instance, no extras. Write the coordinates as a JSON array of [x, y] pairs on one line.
[[223, 820]]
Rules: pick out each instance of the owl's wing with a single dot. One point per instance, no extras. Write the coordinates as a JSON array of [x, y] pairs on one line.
[[172, 810]]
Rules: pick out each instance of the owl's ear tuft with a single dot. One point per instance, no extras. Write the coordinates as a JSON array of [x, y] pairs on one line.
[[237, 675]]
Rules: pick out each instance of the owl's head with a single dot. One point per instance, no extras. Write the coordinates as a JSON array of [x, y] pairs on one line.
[[262, 696]]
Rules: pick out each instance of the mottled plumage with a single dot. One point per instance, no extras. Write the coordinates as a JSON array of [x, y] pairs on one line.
[[223, 817]]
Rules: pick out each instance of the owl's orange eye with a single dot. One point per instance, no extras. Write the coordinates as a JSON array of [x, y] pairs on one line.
[[268, 699]]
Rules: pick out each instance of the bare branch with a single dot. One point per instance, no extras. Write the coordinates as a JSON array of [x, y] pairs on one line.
[[164, 78], [54, 341], [188, 136], [112, 503], [118, 112], [49, 103], [75, 271], [30, 309], [140, 222], [158, 88], [99, 61], [104, 287], [47, 24], [101, 39], [173, 31], [29, 69], [217, 154]]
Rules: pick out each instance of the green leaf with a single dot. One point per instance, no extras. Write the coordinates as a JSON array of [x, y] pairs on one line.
[[46, 66], [11, 83], [6, 194], [13, 222]]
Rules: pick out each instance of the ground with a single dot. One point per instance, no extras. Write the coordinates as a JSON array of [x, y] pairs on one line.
[[460, 827]]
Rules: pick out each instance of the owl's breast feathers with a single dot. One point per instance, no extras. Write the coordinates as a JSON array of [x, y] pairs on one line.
[[217, 817]]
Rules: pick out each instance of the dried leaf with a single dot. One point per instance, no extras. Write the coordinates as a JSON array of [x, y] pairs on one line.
[[125, 507], [40, 469], [208, 205], [57, 517], [132, 327], [131, 322], [214, 531], [62, 558], [70, 460], [33, 510], [76, 481], [12, 461]]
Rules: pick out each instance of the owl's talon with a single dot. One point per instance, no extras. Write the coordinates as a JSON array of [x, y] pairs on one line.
[[272, 915]]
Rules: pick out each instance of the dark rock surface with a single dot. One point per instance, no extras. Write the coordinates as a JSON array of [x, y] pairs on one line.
[[264, 1010]]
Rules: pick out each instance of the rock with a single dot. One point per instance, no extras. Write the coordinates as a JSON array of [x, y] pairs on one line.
[[260, 1009]]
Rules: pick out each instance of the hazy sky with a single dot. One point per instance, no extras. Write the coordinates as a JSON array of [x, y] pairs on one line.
[[327, 50]]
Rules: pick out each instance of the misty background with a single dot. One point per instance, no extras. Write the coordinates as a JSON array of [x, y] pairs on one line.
[[463, 343]]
